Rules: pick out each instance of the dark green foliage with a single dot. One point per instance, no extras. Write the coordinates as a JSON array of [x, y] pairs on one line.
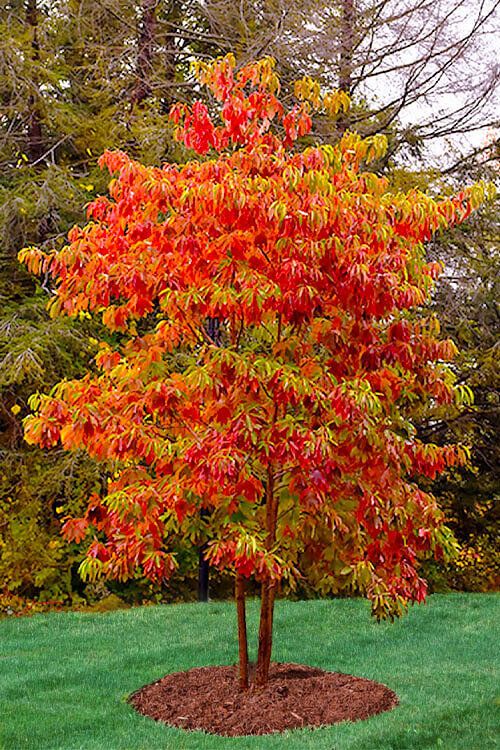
[[37, 489], [466, 303], [68, 77], [35, 562]]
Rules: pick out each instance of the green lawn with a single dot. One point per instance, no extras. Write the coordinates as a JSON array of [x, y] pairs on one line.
[[64, 677]]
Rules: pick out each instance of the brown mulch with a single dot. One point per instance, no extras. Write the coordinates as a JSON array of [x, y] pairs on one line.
[[208, 699]]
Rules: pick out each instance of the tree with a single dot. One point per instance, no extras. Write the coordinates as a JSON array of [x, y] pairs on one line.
[[420, 68], [70, 72], [466, 302], [291, 428]]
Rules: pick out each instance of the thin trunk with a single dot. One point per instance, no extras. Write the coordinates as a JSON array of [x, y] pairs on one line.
[[347, 41], [268, 596], [35, 135], [212, 327], [203, 566], [268, 591], [170, 58], [346, 45], [242, 632], [203, 576], [145, 45]]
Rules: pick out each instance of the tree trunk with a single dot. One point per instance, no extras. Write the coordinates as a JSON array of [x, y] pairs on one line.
[[242, 632], [268, 591], [170, 55], [347, 40], [346, 45], [212, 327], [145, 43], [203, 575], [35, 135], [265, 632]]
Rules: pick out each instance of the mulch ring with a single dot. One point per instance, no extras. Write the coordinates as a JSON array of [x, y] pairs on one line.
[[208, 699]]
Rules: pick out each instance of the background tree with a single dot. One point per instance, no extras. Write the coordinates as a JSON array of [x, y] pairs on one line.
[[68, 85], [70, 72], [422, 63], [466, 301], [293, 432]]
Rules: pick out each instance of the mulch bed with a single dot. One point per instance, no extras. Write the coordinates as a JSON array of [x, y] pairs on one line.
[[208, 699]]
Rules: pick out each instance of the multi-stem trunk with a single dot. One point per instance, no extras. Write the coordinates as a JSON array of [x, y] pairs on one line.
[[242, 632], [268, 591], [265, 632]]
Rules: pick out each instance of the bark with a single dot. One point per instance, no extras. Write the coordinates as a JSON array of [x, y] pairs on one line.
[[203, 565], [170, 55], [203, 576], [212, 328], [268, 591], [346, 56], [242, 632], [145, 49], [346, 45], [265, 632], [35, 134]]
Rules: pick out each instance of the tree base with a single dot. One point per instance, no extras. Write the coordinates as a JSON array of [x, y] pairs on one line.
[[208, 699]]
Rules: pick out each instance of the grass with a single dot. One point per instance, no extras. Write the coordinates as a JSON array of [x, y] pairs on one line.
[[64, 678]]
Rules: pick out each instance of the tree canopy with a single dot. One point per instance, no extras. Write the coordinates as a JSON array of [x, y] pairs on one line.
[[291, 429]]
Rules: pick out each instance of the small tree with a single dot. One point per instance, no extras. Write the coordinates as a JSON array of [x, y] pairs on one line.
[[291, 429]]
